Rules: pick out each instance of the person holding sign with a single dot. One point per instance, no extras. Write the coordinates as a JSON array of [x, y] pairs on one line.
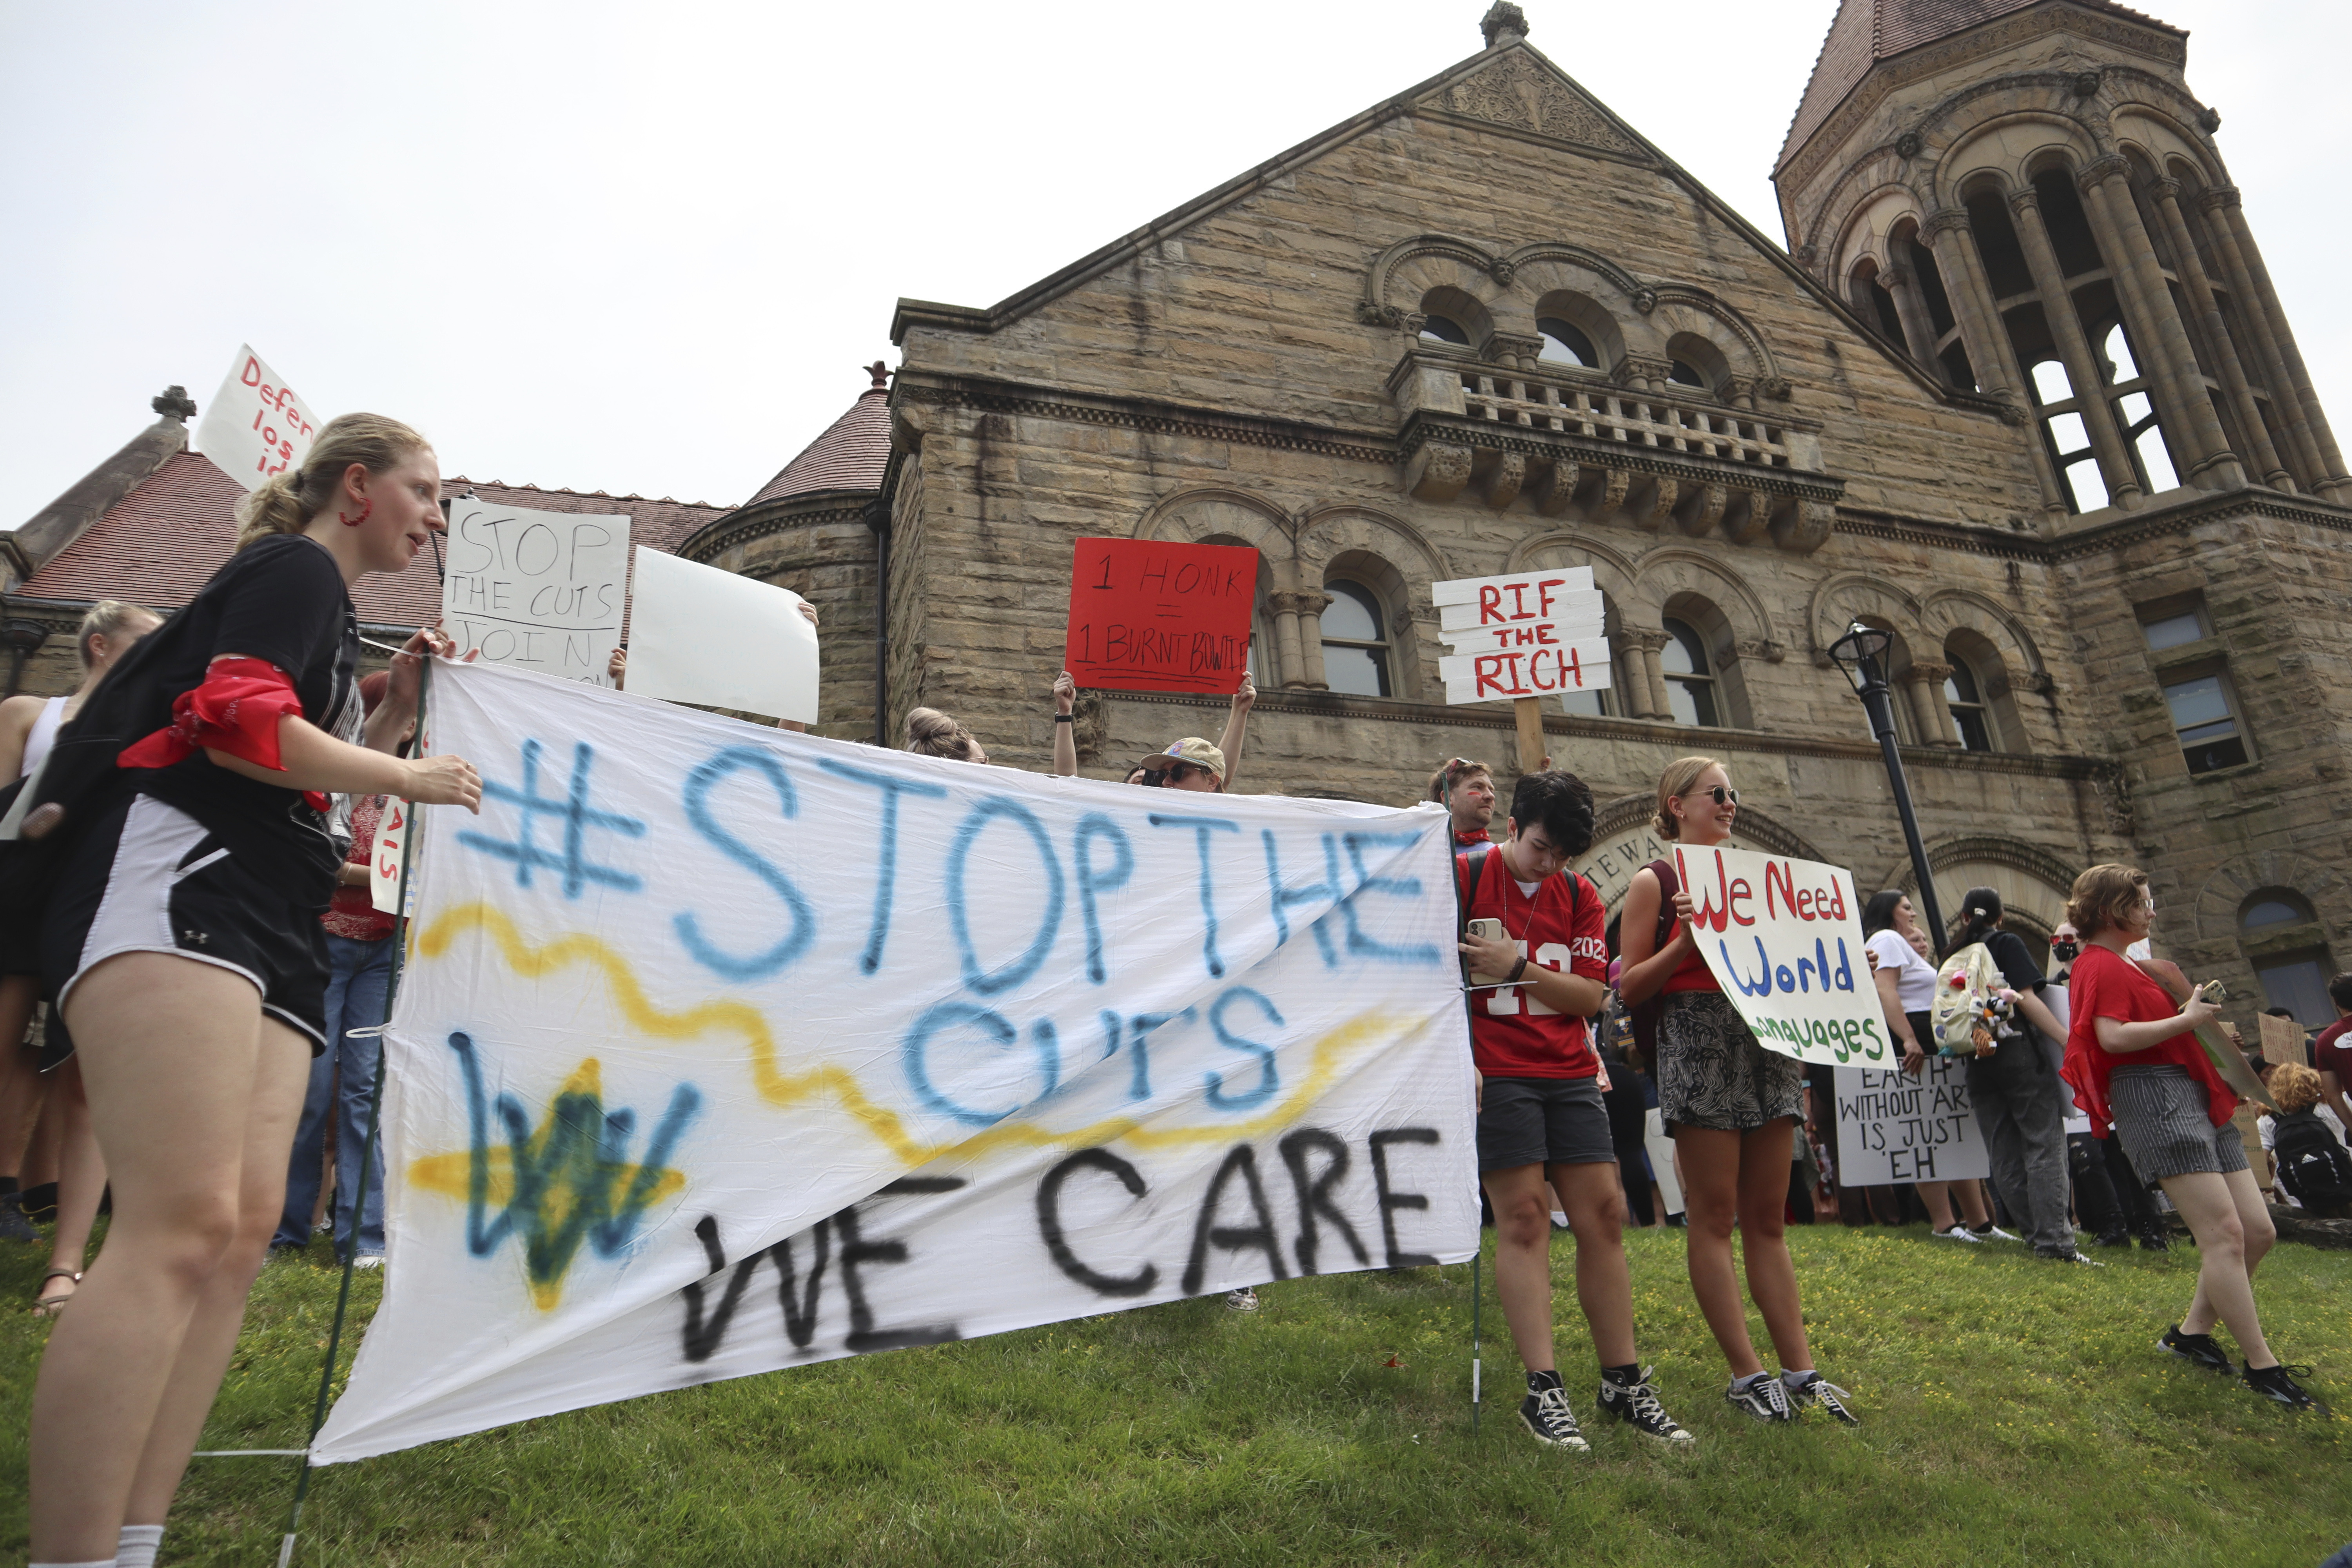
[[180, 939], [1731, 1106], [1906, 984], [1533, 934], [2133, 1057], [2019, 1104]]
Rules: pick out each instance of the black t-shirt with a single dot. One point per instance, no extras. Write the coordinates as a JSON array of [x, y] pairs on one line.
[[2018, 971], [281, 600]]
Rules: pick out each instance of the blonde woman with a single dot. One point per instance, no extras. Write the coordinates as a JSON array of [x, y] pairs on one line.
[[2133, 1059], [1731, 1106], [182, 944]]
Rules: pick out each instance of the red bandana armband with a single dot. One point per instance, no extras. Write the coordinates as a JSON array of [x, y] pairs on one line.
[[236, 710]]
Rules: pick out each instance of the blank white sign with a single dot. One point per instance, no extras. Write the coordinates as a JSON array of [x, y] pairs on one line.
[[701, 634]]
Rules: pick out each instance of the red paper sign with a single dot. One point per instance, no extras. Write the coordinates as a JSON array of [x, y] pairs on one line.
[[1152, 616]]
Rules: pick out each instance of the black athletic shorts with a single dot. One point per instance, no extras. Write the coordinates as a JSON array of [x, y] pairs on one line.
[[148, 878], [1542, 1121]]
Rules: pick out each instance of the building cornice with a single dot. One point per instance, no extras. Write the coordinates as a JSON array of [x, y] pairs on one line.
[[1152, 415], [809, 510]]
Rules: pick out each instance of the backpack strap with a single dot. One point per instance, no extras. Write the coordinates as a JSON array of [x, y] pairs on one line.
[[1464, 895]]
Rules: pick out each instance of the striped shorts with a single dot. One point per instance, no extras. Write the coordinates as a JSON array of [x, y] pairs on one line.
[[2160, 1114]]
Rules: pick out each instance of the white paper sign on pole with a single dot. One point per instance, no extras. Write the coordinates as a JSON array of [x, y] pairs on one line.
[[384, 863], [701, 634], [1523, 635], [254, 425], [1892, 1127], [693, 1074], [1546, 668], [1783, 939], [542, 590]]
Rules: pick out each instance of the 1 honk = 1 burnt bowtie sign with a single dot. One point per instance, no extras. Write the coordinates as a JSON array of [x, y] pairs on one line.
[[1524, 635], [723, 1048]]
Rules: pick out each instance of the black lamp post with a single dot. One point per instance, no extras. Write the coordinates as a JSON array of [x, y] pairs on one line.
[[1862, 654]]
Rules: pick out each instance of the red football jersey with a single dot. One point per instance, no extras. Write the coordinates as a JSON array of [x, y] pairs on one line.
[[1563, 927]]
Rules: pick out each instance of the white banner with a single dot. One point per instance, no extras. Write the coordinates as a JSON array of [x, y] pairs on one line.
[[254, 426], [539, 590], [724, 1049], [1892, 1127], [699, 634], [1783, 938]]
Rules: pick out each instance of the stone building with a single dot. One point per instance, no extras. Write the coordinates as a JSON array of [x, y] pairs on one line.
[[2020, 392]]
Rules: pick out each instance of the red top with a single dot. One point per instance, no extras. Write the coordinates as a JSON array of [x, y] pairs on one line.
[[2105, 985], [2331, 1053], [1471, 837], [352, 912], [1563, 927]]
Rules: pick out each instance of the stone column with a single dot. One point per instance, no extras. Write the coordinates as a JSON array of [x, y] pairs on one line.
[[2156, 324], [2200, 290], [1287, 605], [2292, 391], [1310, 637], [2269, 363], [1990, 355], [1929, 709], [1647, 686], [1919, 327], [2075, 351]]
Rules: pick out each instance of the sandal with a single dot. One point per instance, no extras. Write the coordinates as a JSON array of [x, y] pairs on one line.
[[46, 1306]]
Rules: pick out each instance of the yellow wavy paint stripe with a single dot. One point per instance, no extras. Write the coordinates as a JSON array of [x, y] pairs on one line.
[[780, 1087]]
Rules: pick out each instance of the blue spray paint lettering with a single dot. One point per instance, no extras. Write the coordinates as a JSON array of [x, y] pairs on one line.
[[1269, 1077], [886, 874], [1138, 1045], [987, 983], [1401, 887], [1285, 896], [699, 785], [1092, 883], [577, 817], [947, 1015], [1203, 827]]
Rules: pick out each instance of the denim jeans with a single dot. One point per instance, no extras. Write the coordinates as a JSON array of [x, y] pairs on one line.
[[358, 975]]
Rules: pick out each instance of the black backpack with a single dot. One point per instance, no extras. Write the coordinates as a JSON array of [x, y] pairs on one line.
[[2313, 1166]]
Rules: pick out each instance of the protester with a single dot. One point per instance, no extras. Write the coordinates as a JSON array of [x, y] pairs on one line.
[[1730, 1105], [181, 941], [28, 728], [931, 734], [2331, 1050], [2133, 1057], [2311, 1170], [1542, 1126], [1192, 764], [342, 1076], [1465, 788], [2019, 1102], [2110, 1200], [1906, 986]]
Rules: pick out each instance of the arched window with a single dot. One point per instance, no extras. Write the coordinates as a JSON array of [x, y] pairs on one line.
[[1690, 681], [1435, 329], [1564, 342], [2281, 937], [1966, 699], [1355, 641], [2136, 414], [2068, 437], [1684, 374]]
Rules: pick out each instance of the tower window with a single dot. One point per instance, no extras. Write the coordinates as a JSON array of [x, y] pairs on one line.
[[2136, 414], [1443, 330], [1966, 699], [1564, 343], [1682, 374], [1690, 683], [2068, 439], [2177, 629], [1355, 641], [2206, 722]]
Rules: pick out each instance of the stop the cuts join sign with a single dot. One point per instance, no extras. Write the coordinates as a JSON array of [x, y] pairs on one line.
[[1527, 634], [254, 425], [1148, 615]]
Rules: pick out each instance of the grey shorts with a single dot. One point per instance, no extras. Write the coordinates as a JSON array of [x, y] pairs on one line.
[[1542, 1121], [2160, 1116], [1712, 1071]]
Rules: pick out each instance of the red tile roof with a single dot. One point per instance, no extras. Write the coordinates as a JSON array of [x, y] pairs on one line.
[[850, 456], [158, 544], [1864, 32]]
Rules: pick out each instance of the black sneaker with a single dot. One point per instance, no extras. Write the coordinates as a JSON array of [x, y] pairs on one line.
[[1820, 1391], [1636, 1404], [1547, 1414], [2196, 1349], [1763, 1396], [2273, 1383], [14, 1226], [2153, 1241], [2115, 1238], [2069, 1256]]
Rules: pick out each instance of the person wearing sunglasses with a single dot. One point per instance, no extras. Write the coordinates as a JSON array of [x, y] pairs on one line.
[[1731, 1106], [1192, 762]]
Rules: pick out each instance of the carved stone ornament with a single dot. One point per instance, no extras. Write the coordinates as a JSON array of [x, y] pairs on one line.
[[2086, 84], [1645, 300], [1517, 92], [2164, 188], [1774, 387], [1503, 23], [175, 403], [1502, 271], [2010, 413], [2114, 797], [1513, 349], [1907, 145], [1640, 370], [2209, 121], [1942, 218], [1805, 255], [2216, 198], [2024, 197], [1437, 472], [1374, 315], [2101, 170]]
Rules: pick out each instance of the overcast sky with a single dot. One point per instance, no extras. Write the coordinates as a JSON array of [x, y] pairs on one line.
[[644, 248]]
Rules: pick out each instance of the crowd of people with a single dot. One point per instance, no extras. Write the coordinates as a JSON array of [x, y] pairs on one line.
[[194, 906]]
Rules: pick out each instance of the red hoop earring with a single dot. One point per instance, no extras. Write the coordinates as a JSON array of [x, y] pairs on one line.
[[355, 521]]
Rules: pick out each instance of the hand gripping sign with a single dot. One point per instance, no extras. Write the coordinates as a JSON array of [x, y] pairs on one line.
[[1524, 636]]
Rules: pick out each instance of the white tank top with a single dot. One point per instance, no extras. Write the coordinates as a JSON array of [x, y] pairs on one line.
[[42, 735]]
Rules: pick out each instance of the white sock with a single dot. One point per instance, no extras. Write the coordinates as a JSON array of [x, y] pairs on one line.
[[138, 1546], [95, 1563], [1794, 1377]]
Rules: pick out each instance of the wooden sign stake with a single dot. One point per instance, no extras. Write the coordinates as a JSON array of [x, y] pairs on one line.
[[1528, 712]]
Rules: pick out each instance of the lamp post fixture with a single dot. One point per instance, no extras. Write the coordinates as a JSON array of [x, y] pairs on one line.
[[1862, 655]]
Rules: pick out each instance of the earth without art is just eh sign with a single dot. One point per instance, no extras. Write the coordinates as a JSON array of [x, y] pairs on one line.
[[1147, 615]]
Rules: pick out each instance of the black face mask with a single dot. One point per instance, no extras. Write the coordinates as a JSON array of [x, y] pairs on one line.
[[2066, 951]]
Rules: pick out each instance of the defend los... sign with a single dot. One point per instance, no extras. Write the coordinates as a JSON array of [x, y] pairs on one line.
[[1783, 938], [256, 426], [542, 590], [1528, 634], [1146, 616]]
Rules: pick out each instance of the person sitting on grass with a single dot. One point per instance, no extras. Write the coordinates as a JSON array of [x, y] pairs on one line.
[[2133, 1059], [1542, 1127]]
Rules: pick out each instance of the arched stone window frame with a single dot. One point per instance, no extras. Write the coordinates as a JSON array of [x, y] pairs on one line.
[[1719, 605], [1356, 572], [1396, 559], [1589, 316], [1465, 309], [1222, 515], [2006, 660], [2032, 880], [2291, 958]]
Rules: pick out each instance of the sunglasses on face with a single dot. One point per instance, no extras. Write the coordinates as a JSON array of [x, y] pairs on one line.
[[1179, 772], [1721, 794]]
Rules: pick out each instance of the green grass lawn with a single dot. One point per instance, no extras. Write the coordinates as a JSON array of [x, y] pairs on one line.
[[2014, 1411]]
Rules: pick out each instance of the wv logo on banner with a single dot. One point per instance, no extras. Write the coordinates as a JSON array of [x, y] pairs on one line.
[[722, 1049]]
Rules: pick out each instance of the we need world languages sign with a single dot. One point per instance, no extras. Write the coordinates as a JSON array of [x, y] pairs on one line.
[[1783, 938]]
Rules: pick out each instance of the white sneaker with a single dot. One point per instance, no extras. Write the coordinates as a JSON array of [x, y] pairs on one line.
[[1959, 1232], [1242, 1300], [368, 1260], [1993, 1233]]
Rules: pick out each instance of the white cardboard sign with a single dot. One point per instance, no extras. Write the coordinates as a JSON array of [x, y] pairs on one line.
[[1783, 938], [1892, 1127], [1525, 634], [256, 426], [701, 634], [384, 862], [541, 590]]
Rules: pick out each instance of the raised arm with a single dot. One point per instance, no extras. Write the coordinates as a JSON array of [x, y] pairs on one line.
[[1065, 743], [1229, 743]]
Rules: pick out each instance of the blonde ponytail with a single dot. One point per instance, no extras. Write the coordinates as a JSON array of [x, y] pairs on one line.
[[287, 501], [931, 734]]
